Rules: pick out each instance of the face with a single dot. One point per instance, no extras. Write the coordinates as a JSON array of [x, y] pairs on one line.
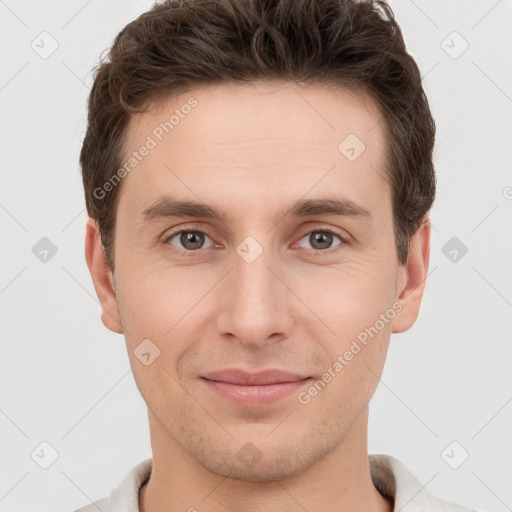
[[288, 264]]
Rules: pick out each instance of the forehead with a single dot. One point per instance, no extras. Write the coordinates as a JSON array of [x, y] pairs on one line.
[[280, 135], [232, 114]]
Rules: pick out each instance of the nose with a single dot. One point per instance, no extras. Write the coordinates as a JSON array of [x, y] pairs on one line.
[[255, 303]]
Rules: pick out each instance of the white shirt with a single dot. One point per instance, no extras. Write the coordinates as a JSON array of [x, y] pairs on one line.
[[389, 476]]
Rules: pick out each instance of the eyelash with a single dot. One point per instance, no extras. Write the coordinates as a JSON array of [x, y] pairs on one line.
[[317, 251]]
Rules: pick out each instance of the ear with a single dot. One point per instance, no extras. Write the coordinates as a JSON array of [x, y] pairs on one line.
[[102, 277], [412, 278]]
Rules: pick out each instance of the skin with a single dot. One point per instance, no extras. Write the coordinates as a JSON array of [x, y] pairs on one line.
[[248, 151]]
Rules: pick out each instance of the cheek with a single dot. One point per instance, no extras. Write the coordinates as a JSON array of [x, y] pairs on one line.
[[151, 308], [358, 308], [354, 360], [352, 297], [162, 304]]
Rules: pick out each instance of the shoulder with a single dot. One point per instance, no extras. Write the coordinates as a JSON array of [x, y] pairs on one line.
[[449, 506], [124, 497], [102, 505], [392, 478]]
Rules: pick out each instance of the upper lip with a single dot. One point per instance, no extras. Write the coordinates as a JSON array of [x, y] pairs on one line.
[[235, 376]]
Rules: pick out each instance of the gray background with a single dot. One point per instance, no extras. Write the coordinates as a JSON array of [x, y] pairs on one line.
[[66, 379]]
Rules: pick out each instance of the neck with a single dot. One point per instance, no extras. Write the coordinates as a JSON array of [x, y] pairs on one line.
[[339, 481]]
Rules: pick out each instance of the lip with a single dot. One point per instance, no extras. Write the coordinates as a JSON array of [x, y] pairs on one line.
[[254, 389], [241, 377]]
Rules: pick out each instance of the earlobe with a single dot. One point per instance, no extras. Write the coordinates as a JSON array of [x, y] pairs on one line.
[[414, 272], [101, 277]]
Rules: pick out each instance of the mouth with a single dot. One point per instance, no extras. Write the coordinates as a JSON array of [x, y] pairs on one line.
[[254, 389]]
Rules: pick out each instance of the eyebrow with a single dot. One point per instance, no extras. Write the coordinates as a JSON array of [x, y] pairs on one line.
[[167, 207]]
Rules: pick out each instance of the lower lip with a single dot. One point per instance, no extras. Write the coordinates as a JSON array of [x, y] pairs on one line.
[[253, 396]]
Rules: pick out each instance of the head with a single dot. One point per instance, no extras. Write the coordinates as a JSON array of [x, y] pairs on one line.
[[302, 131]]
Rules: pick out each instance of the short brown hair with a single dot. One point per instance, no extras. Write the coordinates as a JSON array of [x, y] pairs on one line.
[[180, 44]]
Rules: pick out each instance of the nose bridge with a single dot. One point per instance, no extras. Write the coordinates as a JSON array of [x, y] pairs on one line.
[[255, 300]]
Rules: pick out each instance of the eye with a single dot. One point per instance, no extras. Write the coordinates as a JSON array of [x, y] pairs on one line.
[[321, 239], [190, 240]]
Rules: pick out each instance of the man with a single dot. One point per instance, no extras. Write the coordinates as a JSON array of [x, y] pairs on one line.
[[258, 176]]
